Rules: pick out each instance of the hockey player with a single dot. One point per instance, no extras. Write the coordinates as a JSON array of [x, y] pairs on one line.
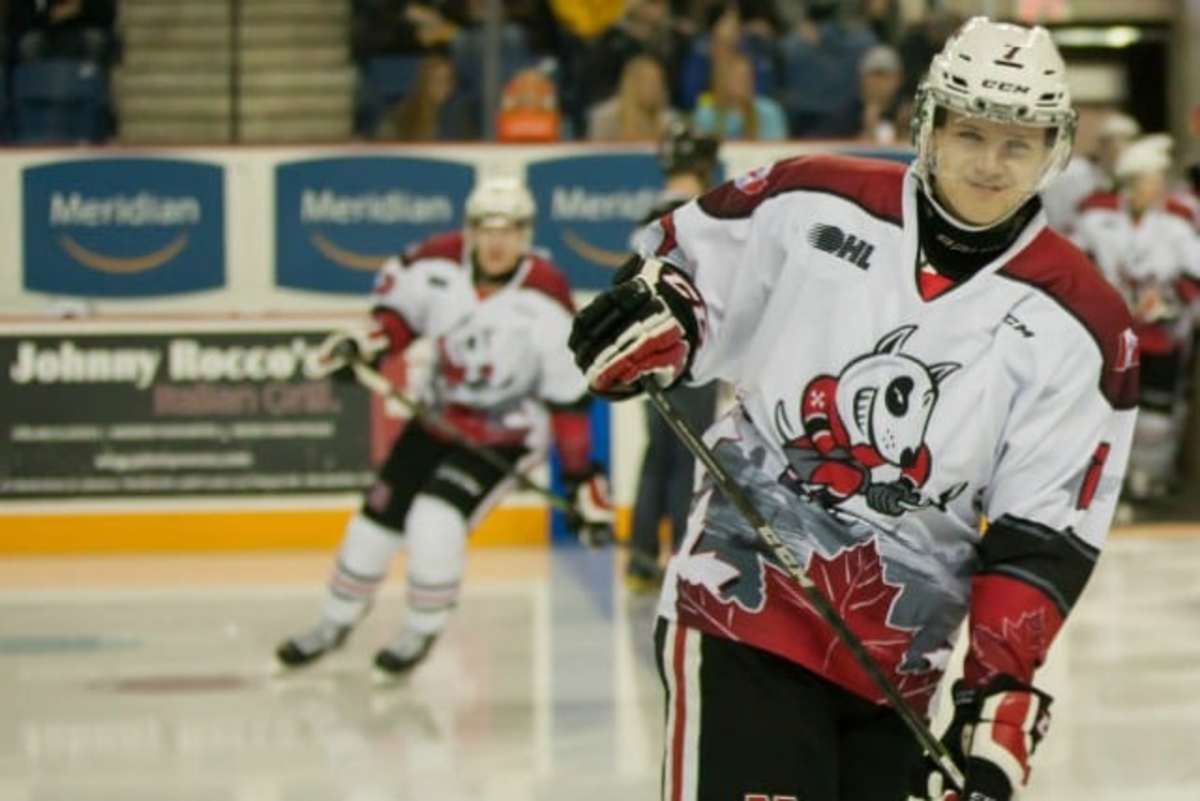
[[689, 161], [498, 315], [912, 349], [1088, 172], [1146, 245]]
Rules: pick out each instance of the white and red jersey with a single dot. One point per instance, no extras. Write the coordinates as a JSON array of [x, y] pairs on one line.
[[1159, 251], [878, 421], [501, 356], [1062, 199]]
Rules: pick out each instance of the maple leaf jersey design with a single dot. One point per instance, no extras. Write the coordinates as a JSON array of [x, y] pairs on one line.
[[874, 413], [733, 584]]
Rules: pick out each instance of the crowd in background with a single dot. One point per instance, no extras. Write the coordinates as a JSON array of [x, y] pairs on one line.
[[612, 70], [624, 70]]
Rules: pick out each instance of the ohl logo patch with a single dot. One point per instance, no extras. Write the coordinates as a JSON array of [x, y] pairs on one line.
[[123, 227], [849, 247]]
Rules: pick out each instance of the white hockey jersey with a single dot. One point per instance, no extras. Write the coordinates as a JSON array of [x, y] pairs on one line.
[[1063, 198], [1160, 250], [874, 427], [500, 357]]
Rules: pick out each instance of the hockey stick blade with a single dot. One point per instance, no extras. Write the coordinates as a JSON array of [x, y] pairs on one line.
[[734, 493]]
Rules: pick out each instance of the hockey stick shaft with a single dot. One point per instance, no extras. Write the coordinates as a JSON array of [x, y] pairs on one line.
[[725, 482], [378, 383]]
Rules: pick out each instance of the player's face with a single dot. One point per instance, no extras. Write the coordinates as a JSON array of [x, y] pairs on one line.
[[1146, 190], [985, 169], [497, 247]]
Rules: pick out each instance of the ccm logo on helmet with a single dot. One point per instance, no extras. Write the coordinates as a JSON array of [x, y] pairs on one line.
[[1005, 86]]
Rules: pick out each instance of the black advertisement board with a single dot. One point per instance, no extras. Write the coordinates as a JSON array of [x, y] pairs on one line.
[[95, 414]]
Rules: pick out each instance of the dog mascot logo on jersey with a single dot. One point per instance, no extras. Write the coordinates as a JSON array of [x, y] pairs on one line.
[[873, 414]]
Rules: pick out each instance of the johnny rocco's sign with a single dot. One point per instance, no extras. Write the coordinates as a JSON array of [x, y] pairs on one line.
[[175, 414]]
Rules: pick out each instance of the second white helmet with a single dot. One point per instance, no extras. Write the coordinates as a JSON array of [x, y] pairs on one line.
[[500, 201]]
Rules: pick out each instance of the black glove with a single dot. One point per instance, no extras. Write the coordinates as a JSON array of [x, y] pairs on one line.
[[994, 732], [645, 326], [893, 497], [591, 519], [335, 356]]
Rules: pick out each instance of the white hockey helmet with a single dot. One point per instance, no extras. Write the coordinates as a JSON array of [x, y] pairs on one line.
[[1000, 72], [500, 202], [1119, 126], [1151, 153]]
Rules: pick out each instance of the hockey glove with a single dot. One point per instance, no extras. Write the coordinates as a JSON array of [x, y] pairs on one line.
[[592, 517], [993, 734], [335, 355], [644, 327], [892, 497]]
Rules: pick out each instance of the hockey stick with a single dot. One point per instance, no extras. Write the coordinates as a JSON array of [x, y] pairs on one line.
[[378, 383], [932, 745]]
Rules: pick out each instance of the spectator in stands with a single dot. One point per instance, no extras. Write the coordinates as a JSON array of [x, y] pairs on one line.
[[732, 26], [586, 20], [873, 114], [820, 64], [639, 111], [403, 27], [883, 18], [529, 109], [922, 41], [733, 110], [431, 110], [80, 29], [470, 51], [646, 28]]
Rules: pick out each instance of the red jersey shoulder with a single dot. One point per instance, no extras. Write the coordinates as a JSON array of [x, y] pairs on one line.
[[874, 185], [1178, 208], [1100, 201], [547, 279], [448, 245], [1053, 265]]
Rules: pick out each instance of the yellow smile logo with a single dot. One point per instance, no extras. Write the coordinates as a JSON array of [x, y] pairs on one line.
[[589, 252], [123, 266], [369, 262]]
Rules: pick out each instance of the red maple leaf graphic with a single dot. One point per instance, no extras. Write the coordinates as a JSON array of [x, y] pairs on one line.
[[1002, 651], [787, 623]]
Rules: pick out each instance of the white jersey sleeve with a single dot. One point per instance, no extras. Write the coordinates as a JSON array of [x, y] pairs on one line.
[[404, 289], [1064, 445], [561, 380], [732, 260]]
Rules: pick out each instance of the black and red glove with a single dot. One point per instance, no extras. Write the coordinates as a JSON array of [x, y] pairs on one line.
[[591, 518], [994, 732], [647, 326]]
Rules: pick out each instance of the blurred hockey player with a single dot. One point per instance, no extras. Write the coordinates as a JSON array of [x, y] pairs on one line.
[[1146, 244], [911, 349], [689, 162], [1088, 172], [498, 315]]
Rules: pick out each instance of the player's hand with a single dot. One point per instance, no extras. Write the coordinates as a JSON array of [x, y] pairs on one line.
[[335, 355], [994, 732], [647, 326], [893, 497], [591, 519]]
